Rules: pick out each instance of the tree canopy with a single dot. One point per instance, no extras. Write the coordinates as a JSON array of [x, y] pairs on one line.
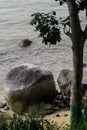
[[49, 26]]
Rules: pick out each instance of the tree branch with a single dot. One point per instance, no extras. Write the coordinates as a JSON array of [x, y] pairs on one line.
[[85, 32], [74, 21], [67, 32]]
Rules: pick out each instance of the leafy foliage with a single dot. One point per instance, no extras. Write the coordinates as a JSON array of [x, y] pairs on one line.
[[48, 27], [61, 2], [33, 123], [66, 24], [29, 123], [81, 4]]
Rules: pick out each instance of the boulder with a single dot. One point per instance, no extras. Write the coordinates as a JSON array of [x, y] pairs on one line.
[[65, 81], [26, 85], [25, 43]]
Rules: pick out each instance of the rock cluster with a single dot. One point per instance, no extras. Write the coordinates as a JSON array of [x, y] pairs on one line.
[[61, 101], [28, 85]]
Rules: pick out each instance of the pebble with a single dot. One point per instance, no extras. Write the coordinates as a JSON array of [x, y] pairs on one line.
[[57, 115], [65, 115]]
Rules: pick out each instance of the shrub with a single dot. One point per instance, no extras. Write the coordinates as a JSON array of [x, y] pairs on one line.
[[34, 123], [28, 123]]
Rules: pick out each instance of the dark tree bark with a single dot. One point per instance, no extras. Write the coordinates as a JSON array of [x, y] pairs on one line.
[[78, 40], [76, 96]]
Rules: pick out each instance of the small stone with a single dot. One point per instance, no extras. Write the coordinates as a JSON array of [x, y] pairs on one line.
[[66, 101], [65, 115], [59, 97], [56, 108], [58, 102], [57, 115], [25, 43], [6, 108]]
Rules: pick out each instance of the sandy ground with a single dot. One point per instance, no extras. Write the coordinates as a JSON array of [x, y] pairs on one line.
[[60, 117]]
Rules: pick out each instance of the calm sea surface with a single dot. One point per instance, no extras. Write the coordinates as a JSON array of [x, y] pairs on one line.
[[15, 16]]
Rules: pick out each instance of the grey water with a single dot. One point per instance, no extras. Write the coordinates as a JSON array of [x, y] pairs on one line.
[[15, 17]]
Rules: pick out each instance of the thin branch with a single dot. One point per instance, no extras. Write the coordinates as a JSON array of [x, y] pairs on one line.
[[85, 32], [86, 9], [67, 32], [74, 19]]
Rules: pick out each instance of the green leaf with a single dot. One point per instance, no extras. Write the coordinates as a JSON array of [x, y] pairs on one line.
[[48, 26]]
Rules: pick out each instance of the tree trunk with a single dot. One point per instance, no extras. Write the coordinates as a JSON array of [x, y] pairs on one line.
[[77, 48], [76, 96]]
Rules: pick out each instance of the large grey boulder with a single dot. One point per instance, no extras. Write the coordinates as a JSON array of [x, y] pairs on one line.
[[26, 85], [65, 81]]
